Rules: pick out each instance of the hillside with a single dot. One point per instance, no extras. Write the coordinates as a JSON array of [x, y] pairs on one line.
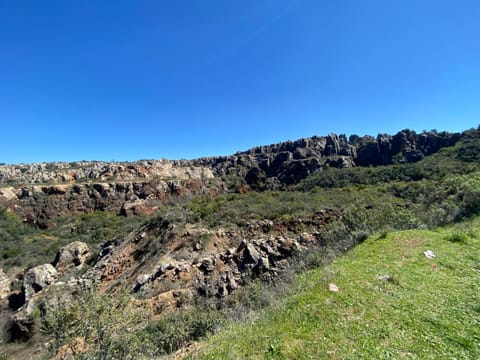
[[188, 247], [389, 301]]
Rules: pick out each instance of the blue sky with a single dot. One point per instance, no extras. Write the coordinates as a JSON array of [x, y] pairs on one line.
[[126, 80]]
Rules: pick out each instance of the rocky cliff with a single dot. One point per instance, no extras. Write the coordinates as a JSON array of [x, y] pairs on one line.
[[135, 188], [41, 192], [289, 162], [98, 171]]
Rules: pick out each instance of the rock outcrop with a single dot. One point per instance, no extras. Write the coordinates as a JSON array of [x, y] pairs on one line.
[[99, 171], [163, 266], [164, 263], [40, 204], [156, 256], [289, 162], [38, 278], [42, 192], [39, 193], [71, 256]]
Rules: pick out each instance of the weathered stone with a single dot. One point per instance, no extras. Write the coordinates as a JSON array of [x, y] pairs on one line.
[[414, 155], [340, 162], [41, 204], [128, 187], [142, 279], [20, 327], [333, 287], [137, 207], [255, 177], [286, 246], [429, 254], [8, 194], [207, 265], [384, 277], [38, 278], [264, 264], [72, 255], [251, 254]]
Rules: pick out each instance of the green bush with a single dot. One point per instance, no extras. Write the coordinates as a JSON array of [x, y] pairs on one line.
[[457, 237], [176, 330], [106, 324]]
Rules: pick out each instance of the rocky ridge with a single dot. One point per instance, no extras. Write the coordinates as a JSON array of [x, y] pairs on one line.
[[42, 192], [98, 171], [126, 189], [277, 165]]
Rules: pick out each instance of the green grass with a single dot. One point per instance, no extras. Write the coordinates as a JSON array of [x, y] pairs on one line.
[[428, 309]]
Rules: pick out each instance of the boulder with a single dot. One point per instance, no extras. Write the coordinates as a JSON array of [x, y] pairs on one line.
[[333, 287], [137, 207], [142, 279], [255, 177], [340, 162], [7, 194], [251, 255], [207, 265], [384, 277], [414, 155], [37, 278], [72, 255], [429, 254]]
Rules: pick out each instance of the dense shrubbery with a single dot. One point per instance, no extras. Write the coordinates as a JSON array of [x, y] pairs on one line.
[[99, 326], [398, 205], [95, 326], [26, 245]]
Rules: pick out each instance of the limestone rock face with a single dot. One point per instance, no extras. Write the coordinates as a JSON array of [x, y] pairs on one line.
[[41, 204], [7, 194], [43, 192], [290, 162], [72, 255], [99, 171]]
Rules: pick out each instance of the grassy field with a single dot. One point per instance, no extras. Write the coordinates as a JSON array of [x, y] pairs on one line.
[[393, 303]]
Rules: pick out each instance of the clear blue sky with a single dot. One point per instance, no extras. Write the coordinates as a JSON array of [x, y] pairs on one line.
[[126, 80]]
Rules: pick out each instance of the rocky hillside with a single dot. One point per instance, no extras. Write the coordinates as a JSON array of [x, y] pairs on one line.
[[200, 239], [41, 192]]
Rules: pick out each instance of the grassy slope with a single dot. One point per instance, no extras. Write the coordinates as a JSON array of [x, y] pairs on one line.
[[430, 309]]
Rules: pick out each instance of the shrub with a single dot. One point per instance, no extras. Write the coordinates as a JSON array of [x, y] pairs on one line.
[[176, 330], [457, 237], [105, 324]]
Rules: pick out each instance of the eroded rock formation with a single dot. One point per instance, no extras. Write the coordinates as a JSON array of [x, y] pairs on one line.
[[291, 161], [41, 192]]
